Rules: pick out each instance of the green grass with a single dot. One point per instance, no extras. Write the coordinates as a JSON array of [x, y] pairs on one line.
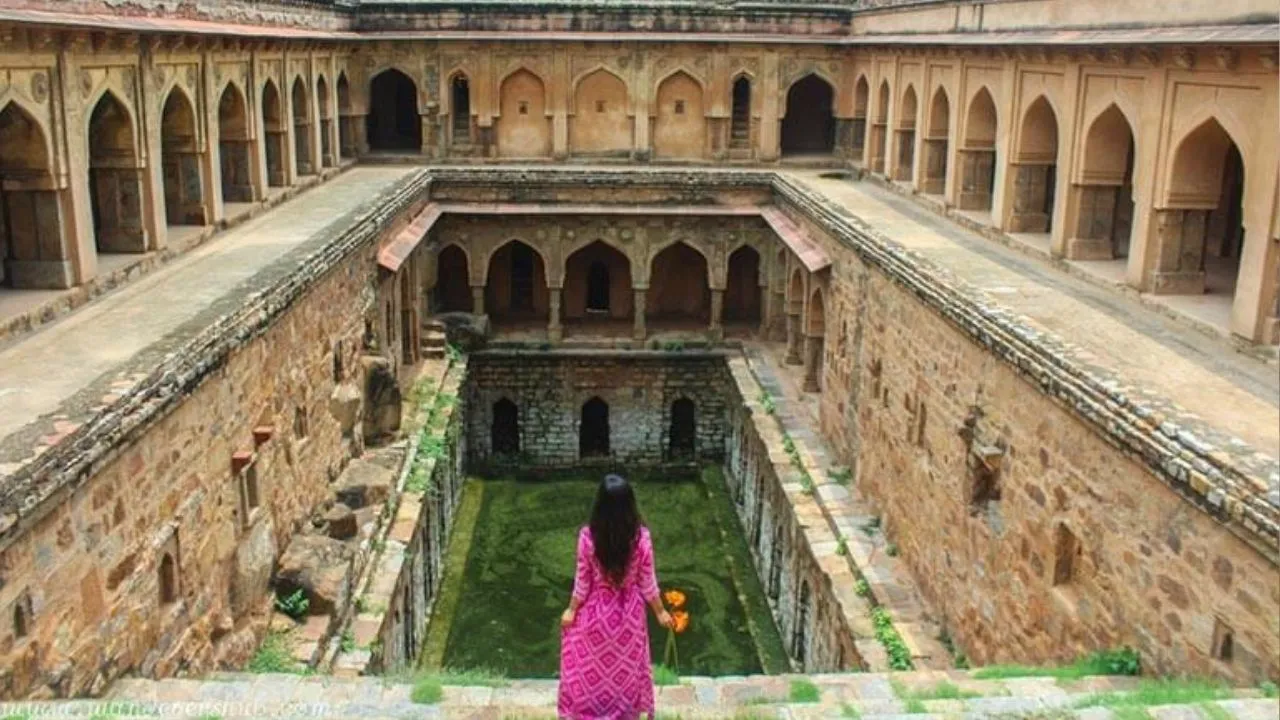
[[1213, 711], [518, 574], [1123, 661], [887, 634], [942, 691], [428, 687], [1269, 689], [664, 676], [1160, 692], [915, 706], [275, 655], [803, 691], [849, 711], [449, 592]]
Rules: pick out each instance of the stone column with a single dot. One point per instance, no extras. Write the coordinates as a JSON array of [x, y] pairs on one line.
[[477, 299], [639, 332], [555, 332], [793, 339], [766, 310], [716, 330], [812, 362]]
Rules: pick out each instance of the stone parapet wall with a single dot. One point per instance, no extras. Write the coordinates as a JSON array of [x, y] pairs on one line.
[[549, 390]]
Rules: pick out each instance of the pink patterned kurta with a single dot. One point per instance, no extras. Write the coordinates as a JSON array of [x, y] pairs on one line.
[[604, 655]]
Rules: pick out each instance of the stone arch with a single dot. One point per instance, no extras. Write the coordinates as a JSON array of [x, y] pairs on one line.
[[516, 283], [346, 116], [460, 108], [904, 166], [273, 125], [937, 135], [601, 123], [453, 280], [815, 315], [742, 287], [740, 112], [679, 124], [168, 579], [1105, 189], [234, 145], [180, 162], [977, 153], [795, 292], [809, 125], [326, 122], [504, 430], [115, 178], [594, 273], [679, 285], [1035, 161], [393, 122], [524, 127], [32, 249], [861, 98], [300, 102], [593, 429], [682, 433], [815, 329]]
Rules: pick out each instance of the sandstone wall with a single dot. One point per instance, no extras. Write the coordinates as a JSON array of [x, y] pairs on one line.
[[640, 388]]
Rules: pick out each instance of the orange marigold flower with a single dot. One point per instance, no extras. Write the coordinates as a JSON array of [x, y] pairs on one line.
[[681, 619], [674, 598]]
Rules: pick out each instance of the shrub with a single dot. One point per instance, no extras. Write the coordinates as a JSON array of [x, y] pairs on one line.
[[294, 605], [804, 691]]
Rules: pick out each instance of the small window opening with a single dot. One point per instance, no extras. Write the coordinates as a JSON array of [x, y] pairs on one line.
[[524, 107], [168, 579], [505, 432], [922, 417], [683, 432], [599, 106], [22, 617], [1067, 554], [679, 107], [1223, 641], [300, 422], [248, 487], [593, 433], [337, 362]]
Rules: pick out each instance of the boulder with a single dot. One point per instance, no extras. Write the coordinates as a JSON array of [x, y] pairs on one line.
[[340, 522], [251, 574], [465, 331], [365, 482], [320, 567], [345, 405], [383, 399]]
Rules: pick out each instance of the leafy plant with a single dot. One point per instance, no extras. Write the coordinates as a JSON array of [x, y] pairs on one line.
[[862, 588], [766, 401], [295, 605], [842, 547], [1269, 689], [849, 711], [274, 655], [887, 635], [804, 691], [427, 691], [452, 353], [348, 641], [673, 346], [840, 475], [891, 550], [915, 706], [1121, 661], [664, 676]]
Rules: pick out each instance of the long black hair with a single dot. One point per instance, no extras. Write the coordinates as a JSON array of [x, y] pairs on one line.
[[615, 525]]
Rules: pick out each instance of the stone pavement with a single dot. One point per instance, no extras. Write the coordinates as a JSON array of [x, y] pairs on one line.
[[867, 695], [92, 349], [1203, 377]]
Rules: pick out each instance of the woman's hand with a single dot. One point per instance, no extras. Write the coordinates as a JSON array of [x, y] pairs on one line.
[[566, 618], [664, 619]]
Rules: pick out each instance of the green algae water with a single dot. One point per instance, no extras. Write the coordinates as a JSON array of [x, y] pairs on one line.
[[519, 570]]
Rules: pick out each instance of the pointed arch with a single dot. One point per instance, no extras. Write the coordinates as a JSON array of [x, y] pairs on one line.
[[679, 285], [1105, 188], [680, 123], [601, 123], [460, 107], [861, 99], [904, 165], [300, 102], [593, 429], [682, 433], [598, 282], [524, 127], [742, 287], [453, 280], [393, 122], [516, 283], [795, 292], [180, 160], [977, 153], [115, 178], [740, 112], [324, 102], [809, 125], [32, 246], [273, 125], [1035, 164], [504, 433], [815, 321], [346, 131], [937, 143]]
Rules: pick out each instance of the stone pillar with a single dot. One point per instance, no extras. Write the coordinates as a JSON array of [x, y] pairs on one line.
[[1179, 262], [639, 331], [812, 362], [716, 330], [793, 339], [765, 312], [555, 332], [477, 299]]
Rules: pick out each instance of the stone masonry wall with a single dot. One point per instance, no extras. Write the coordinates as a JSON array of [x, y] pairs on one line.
[[1036, 535], [550, 388]]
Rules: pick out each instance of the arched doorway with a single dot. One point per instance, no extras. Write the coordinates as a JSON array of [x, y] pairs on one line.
[[679, 291], [809, 126], [180, 162], [393, 122], [504, 435], [277, 134], [978, 154], [524, 128], [906, 134], [1105, 206], [326, 123], [32, 250], [880, 130], [742, 289], [936, 145], [460, 109], [346, 134], [302, 129], [861, 98], [453, 286], [1035, 170], [234, 146], [815, 331], [1200, 249], [516, 285], [740, 115], [601, 124], [682, 435], [115, 179], [597, 288], [679, 123], [593, 429]]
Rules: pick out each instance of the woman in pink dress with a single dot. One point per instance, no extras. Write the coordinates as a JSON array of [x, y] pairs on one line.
[[604, 649]]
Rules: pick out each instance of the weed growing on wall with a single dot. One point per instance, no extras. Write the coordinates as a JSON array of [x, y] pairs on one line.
[[294, 605], [887, 634]]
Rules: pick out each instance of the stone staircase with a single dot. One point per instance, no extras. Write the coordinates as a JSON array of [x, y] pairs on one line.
[[433, 339], [920, 694]]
